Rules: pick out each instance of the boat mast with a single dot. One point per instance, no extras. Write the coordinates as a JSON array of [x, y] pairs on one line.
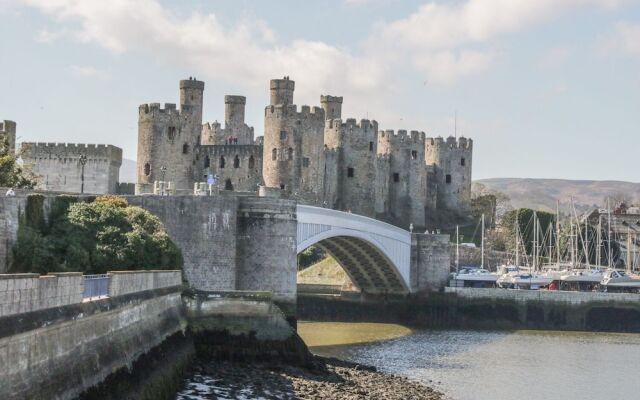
[[598, 249], [573, 252], [629, 249], [610, 261], [482, 256], [586, 244], [517, 236], [558, 233], [457, 248], [535, 241]]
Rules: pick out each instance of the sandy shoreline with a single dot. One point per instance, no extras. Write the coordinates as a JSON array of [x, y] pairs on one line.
[[327, 379]]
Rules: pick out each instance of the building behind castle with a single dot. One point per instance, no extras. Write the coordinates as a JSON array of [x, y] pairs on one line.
[[311, 154]]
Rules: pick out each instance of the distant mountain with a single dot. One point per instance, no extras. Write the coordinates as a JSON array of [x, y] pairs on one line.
[[128, 171], [542, 194]]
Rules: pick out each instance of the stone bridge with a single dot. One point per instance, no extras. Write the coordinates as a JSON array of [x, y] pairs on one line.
[[241, 242], [375, 255]]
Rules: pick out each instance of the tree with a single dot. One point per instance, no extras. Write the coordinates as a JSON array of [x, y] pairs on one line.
[[11, 173], [94, 237]]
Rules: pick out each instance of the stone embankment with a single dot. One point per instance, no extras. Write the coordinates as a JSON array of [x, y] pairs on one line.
[[327, 379]]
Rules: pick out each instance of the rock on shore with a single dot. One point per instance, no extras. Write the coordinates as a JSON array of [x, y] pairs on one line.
[[327, 379]]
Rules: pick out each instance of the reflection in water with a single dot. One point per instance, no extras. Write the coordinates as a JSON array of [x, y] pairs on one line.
[[507, 365]]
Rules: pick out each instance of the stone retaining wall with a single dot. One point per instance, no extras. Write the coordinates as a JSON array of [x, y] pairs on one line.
[[124, 282], [558, 296], [21, 293]]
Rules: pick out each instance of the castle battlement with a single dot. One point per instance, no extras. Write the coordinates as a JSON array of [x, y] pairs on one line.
[[93, 152], [231, 149], [330, 99], [153, 108], [402, 136], [352, 123], [291, 111], [451, 143]]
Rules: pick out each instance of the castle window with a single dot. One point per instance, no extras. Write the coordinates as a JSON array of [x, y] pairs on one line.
[[252, 162], [290, 154], [414, 154], [171, 132], [147, 169], [222, 162], [236, 162], [228, 185], [283, 135], [448, 178], [305, 162], [350, 172], [463, 162], [370, 146], [274, 154], [207, 162], [396, 177], [282, 186], [185, 149]]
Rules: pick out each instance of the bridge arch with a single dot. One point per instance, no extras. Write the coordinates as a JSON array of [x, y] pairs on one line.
[[375, 255]]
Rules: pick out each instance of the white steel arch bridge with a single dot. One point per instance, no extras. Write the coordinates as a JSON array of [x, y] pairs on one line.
[[375, 255]]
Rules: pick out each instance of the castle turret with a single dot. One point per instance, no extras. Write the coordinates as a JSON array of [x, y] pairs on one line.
[[451, 163], [332, 106], [407, 176], [355, 146], [293, 145], [282, 91], [234, 110], [8, 133], [167, 138]]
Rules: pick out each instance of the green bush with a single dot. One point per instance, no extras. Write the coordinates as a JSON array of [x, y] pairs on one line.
[[95, 237]]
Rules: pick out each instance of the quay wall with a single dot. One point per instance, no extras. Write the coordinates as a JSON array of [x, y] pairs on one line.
[[493, 309], [63, 350]]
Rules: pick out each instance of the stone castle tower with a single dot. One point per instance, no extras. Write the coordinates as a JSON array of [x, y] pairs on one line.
[[167, 138], [451, 162], [310, 154], [293, 141], [407, 176], [8, 133]]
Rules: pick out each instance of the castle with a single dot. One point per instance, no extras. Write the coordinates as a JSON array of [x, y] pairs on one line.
[[307, 153], [68, 167]]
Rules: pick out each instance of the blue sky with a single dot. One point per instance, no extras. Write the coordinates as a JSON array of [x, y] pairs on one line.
[[546, 88]]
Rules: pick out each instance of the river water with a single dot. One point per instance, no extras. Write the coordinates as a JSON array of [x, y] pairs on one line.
[[470, 365]]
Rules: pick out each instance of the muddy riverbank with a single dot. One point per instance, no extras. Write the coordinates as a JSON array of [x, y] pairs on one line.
[[326, 379]]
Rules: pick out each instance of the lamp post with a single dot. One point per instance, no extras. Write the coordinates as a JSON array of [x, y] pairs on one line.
[[163, 171], [83, 161]]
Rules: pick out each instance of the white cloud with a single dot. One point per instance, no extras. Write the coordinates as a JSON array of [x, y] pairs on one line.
[[624, 38], [454, 35], [87, 71], [247, 53], [444, 41]]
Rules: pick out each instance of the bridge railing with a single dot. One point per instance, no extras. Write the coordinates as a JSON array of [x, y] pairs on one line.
[[95, 286]]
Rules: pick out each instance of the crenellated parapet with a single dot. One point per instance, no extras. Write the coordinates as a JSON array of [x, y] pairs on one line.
[[290, 111], [71, 152]]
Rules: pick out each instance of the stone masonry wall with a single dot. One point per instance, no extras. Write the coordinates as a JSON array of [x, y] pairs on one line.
[[125, 282], [238, 167], [21, 293], [204, 228], [267, 259], [430, 261], [59, 168], [60, 352]]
